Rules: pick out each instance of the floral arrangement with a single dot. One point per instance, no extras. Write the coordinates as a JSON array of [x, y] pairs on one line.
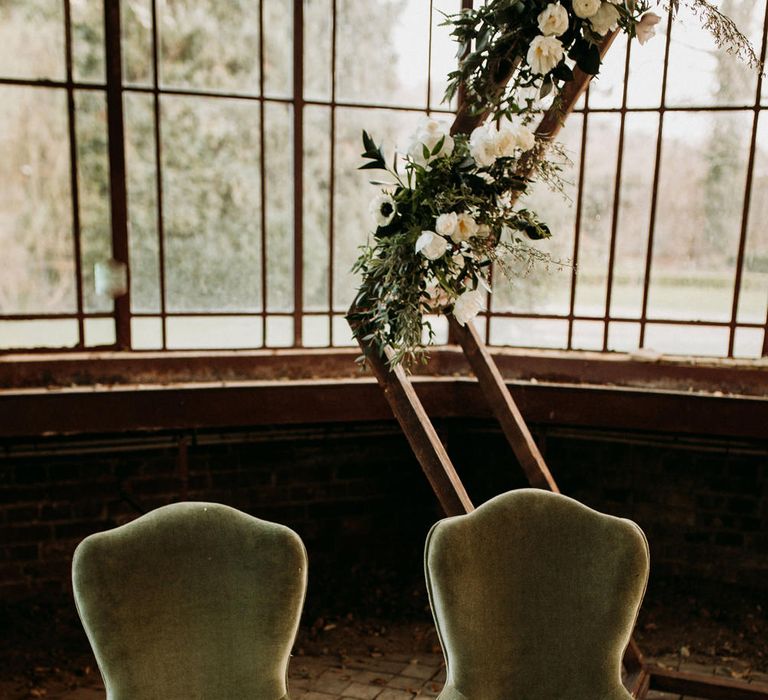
[[448, 211]]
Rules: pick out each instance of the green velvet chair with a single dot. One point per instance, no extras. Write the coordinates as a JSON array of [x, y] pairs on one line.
[[192, 601], [535, 597]]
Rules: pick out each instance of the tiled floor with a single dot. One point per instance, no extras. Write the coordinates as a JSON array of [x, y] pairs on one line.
[[391, 676]]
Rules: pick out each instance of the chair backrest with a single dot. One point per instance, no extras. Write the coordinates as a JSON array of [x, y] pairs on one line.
[[534, 597], [192, 600]]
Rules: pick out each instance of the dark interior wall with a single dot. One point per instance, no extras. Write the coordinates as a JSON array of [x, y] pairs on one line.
[[356, 495]]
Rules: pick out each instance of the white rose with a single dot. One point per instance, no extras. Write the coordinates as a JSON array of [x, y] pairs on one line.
[[606, 19], [506, 141], [466, 227], [554, 20], [429, 134], [446, 224], [585, 8], [545, 53], [526, 139], [467, 306], [482, 145], [383, 209], [431, 245], [483, 231], [646, 27]]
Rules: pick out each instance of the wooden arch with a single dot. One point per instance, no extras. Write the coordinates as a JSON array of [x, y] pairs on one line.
[[445, 482]]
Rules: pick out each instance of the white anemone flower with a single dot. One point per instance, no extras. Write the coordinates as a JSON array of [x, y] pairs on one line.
[[383, 209]]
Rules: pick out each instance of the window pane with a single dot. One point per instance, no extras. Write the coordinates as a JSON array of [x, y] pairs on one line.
[[529, 333], [278, 161], [353, 191], [753, 301], [99, 331], [278, 47], [748, 342], [702, 74], [316, 331], [214, 332], [443, 50], [211, 207], [146, 333], [136, 28], [623, 337], [32, 39], [142, 202], [318, 15], [88, 40], [700, 204], [687, 340], [607, 90], [548, 290], [93, 182], [597, 211], [646, 68], [208, 44], [51, 333], [640, 136], [393, 69], [317, 180], [35, 202]]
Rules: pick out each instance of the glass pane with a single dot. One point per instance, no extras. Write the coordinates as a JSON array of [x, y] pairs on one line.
[[700, 205], [398, 31], [548, 290], [588, 335], [88, 40], [316, 331], [32, 39], [142, 201], [279, 178], [214, 332], [352, 222], [93, 182], [99, 331], [753, 301], [646, 68], [207, 44], [623, 337], [146, 333], [687, 340], [50, 333], [211, 206], [597, 211], [641, 131], [748, 342], [318, 15], [342, 334], [279, 332], [529, 333], [702, 74], [136, 28], [317, 179], [443, 50], [35, 203], [607, 89], [278, 47]]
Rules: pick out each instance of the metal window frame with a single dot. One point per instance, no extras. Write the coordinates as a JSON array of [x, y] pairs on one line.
[[114, 89]]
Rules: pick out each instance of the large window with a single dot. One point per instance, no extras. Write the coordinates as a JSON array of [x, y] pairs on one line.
[[213, 147]]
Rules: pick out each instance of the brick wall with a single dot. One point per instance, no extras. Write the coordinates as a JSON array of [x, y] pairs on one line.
[[357, 497]]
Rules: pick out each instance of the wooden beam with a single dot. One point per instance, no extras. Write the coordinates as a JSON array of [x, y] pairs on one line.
[[421, 434], [710, 687], [503, 406]]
